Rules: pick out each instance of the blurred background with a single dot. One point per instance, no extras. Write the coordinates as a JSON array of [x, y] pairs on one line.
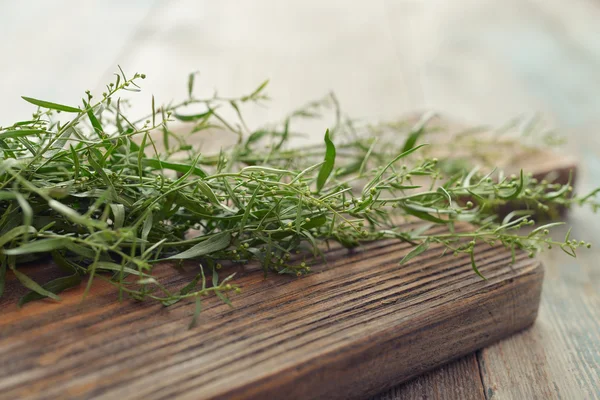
[[482, 61], [478, 61]]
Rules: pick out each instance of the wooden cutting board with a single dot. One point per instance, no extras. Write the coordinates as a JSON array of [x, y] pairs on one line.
[[358, 325]]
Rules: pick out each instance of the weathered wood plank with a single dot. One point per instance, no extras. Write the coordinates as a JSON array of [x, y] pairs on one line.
[[458, 380], [359, 315], [560, 356]]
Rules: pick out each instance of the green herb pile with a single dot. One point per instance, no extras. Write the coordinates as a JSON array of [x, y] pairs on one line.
[[87, 187]]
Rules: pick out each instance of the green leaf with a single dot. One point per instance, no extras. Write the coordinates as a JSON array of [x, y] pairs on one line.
[[93, 120], [380, 173], [185, 290], [98, 162], [75, 159], [194, 117], [224, 299], [59, 143], [33, 286], [363, 163], [14, 233], [50, 105], [74, 216], [314, 222], [55, 286], [118, 211], [569, 250], [197, 311], [411, 141], [6, 149], [248, 209], [38, 246], [66, 265], [416, 132], [147, 226], [25, 209], [190, 85], [198, 208], [558, 193], [421, 248], [17, 133], [266, 170], [312, 241], [215, 278], [568, 235], [508, 219], [474, 266], [207, 191], [422, 214], [298, 220], [228, 278], [82, 251], [255, 136], [284, 135], [256, 92], [328, 164], [541, 228], [517, 191], [183, 168], [419, 207], [7, 195], [446, 194], [210, 245], [417, 232], [475, 195], [589, 195], [153, 112], [111, 266]]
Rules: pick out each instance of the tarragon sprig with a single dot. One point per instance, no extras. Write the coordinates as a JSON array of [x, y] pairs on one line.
[[109, 196]]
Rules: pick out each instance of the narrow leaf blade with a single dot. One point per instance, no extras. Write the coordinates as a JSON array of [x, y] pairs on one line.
[[211, 245], [421, 248], [328, 164], [474, 266], [33, 285], [38, 246], [50, 105], [55, 286]]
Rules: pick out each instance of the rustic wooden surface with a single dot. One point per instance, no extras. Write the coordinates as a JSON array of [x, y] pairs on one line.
[[480, 61], [360, 314], [456, 380]]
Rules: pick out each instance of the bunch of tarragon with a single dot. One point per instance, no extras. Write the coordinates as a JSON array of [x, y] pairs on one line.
[[87, 187]]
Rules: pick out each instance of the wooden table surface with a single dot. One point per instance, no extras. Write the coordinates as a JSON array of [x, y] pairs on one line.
[[482, 61]]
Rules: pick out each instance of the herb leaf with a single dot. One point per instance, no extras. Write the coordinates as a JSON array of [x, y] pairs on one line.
[[210, 245], [34, 286], [50, 105], [421, 248], [328, 164], [55, 286]]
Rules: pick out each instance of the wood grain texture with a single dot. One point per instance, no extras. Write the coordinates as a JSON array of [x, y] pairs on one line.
[[559, 358], [498, 368], [359, 315], [458, 380]]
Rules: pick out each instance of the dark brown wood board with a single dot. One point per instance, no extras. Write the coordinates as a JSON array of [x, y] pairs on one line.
[[359, 324]]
